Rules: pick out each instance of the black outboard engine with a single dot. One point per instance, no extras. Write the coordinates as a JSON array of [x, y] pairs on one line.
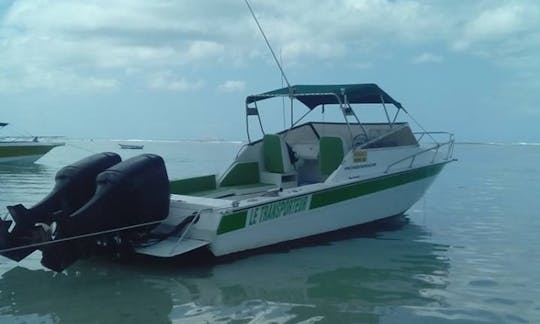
[[123, 203], [75, 184], [132, 193]]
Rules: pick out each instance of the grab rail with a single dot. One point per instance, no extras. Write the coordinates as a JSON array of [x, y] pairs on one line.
[[436, 147]]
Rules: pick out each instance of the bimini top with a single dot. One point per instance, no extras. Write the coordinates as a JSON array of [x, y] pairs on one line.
[[321, 94], [3, 124]]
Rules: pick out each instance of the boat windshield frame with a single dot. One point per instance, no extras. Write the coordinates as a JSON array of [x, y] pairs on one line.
[[252, 109]]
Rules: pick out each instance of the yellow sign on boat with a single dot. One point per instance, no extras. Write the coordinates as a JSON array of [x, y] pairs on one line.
[[360, 156]]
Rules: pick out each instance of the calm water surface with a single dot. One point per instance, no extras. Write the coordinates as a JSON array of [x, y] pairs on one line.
[[466, 253]]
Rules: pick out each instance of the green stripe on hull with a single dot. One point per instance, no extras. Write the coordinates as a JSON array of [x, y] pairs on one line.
[[10, 151], [331, 196], [232, 222], [335, 195]]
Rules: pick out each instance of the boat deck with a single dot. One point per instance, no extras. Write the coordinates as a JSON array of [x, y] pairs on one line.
[[236, 192]]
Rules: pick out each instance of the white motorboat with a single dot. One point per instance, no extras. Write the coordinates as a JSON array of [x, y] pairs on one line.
[[309, 179], [23, 150], [131, 146]]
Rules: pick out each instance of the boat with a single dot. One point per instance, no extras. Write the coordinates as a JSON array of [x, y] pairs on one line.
[[23, 150], [131, 146], [311, 178]]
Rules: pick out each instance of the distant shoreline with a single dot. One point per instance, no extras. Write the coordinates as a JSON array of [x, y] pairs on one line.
[[501, 144]]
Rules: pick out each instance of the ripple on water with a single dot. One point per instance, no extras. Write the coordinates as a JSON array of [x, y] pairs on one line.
[[498, 300], [468, 256], [483, 283], [432, 279], [252, 311], [437, 315]]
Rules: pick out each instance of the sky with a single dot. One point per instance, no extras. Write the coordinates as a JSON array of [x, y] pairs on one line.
[[169, 69]]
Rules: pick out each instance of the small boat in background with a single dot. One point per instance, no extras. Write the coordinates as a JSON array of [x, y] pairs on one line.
[[131, 146], [23, 149]]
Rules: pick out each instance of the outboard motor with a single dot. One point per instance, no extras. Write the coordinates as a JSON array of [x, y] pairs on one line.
[[132, 193], [75, 184]]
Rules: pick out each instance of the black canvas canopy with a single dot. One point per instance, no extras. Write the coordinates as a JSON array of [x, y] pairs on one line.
[[3, 124], [315, 95]]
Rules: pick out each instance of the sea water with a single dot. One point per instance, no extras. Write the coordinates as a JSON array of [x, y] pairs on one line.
[[468, 252]]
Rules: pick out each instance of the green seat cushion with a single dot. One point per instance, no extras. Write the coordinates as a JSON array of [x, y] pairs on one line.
[[273, 159], [241, 173], [330, 154], [191, 185]]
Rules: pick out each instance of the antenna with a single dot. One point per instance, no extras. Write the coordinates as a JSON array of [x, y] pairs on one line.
[[268, 44], [282, 98]]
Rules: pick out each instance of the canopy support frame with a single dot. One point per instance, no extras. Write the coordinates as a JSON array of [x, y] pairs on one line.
[[253, 111], [342, 100], [347, 107], [391, 123]]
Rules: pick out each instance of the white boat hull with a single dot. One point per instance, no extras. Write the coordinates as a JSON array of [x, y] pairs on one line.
[[349, 213], [291, 216]]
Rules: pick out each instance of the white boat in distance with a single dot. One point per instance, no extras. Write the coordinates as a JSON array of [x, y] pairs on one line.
[[131, 146], [18, 150], [309, 179]]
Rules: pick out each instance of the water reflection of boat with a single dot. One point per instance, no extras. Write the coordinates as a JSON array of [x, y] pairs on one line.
[[24, 182], [392, 270], [22, 169], [81, 298]]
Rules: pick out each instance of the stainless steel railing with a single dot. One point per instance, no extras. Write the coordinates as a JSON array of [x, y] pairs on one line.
[[449, 143]]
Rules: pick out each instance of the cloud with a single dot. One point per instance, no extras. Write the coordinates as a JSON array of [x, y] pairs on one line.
[[427, 58], [363, 65], [54, 81], [232, 86], [493, 26], [505, 33], [500, 22], [66, 45], [167, 81], [80, 40]]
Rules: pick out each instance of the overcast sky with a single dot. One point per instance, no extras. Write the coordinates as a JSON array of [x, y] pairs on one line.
[[181, 69]]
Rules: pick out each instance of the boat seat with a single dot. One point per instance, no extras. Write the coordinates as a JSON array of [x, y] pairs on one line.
[[192, 185], [241, 173], [330, 154], [276, 155], [278, 168]]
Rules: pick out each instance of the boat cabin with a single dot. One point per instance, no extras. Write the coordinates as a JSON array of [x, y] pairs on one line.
[[310, 152]]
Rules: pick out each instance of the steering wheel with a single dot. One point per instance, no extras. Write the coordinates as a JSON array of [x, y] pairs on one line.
[[359, 140]]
